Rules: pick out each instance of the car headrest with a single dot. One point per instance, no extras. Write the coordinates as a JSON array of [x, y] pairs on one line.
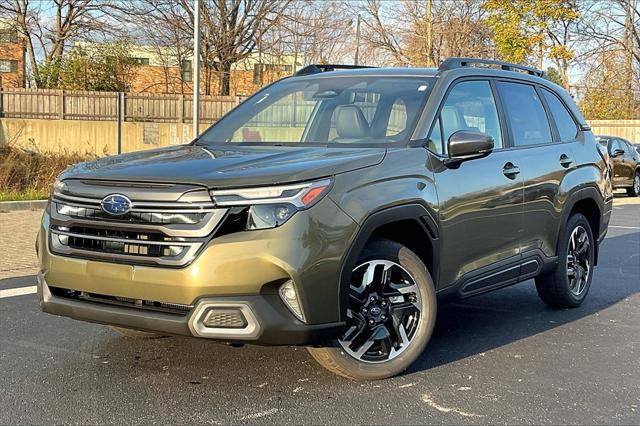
[[450, 117], [351, 123]]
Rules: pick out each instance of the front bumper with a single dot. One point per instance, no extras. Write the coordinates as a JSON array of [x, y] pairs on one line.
[[243, 268], [269, 322]]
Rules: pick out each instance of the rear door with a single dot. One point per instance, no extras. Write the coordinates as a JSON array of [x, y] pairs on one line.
[[542, 135]]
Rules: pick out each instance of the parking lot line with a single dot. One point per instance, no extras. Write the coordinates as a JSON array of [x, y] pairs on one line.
[[624, 227], [20, 291]]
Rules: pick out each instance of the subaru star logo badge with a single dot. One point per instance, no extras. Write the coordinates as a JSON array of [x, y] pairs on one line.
[[116, 204]]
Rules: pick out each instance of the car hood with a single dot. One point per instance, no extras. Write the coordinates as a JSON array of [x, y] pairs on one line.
[[219, 167]]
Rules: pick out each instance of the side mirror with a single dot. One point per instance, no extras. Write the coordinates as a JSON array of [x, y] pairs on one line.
[[466, 145], [617, 153]]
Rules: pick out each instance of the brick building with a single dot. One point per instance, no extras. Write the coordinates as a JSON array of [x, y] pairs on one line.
[[12, 63], [161, 71]]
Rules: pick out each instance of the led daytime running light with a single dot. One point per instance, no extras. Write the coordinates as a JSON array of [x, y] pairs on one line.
[[301, 195]]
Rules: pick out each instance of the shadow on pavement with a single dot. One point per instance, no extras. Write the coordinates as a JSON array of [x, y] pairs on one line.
[[486, 322]]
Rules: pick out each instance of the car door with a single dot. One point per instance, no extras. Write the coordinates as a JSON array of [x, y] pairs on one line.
[[617, 165], [616, 154], [628, 161], [545, 152], [480, 200]]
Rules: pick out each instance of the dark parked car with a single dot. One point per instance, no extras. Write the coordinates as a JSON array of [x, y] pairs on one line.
[[625, 163], [337, 209]]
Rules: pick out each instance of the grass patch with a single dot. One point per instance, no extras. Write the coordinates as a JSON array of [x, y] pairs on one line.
[[28, 175], [28, 195]]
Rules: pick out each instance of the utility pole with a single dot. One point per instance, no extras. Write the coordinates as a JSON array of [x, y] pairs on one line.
[[628, 41], [356, 60], [196, 68], [427, 24], [628, 47]]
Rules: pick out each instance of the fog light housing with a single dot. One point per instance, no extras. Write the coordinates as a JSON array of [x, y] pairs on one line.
[[289, 296]]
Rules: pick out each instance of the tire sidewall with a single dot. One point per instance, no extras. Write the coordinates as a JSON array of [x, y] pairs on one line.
[[632, 190], [389, 250]]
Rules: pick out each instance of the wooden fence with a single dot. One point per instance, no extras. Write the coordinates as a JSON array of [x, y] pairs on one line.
[[105, 106], [627, 129]]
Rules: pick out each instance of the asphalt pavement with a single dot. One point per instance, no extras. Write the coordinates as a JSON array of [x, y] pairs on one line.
[[503, 357]]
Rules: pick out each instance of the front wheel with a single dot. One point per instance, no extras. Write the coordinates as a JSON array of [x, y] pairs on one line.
[[634, 191], [567, 286], [390, 317]]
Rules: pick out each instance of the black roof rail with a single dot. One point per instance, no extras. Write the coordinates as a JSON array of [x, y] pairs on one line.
[[317, 68], [453, 63]]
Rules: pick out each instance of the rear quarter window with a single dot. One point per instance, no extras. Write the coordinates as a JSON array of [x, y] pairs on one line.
[[565, 124]]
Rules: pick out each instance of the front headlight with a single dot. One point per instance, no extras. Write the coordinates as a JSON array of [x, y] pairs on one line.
[[59, 187], [269, 207]]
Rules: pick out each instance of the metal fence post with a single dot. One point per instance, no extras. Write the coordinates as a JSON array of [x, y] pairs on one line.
[[119, 118], [181, 109], [61, 105]]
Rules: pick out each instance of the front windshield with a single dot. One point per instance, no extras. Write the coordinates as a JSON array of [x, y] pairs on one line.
[[326, 110]]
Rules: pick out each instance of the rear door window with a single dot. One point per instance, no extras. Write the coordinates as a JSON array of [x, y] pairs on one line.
[[564, 120], [525, 113]]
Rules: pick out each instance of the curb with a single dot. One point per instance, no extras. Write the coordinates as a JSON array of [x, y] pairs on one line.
[[12, 206]]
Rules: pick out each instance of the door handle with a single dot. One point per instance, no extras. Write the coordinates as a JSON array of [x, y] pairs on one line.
[[565, 161], [510, 171]]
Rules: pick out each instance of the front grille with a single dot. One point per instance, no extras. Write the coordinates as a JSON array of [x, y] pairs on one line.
[[166, 232], [131, 217], [149, 305], [131, 243]]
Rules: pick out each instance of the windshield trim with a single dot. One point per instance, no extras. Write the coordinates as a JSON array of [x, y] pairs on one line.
[[404, 142]]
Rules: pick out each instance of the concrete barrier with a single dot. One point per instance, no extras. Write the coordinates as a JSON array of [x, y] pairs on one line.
[[11, 206], [94, 137]]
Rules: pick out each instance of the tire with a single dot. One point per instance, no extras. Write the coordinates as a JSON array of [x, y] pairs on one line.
[[136, 334], [398, 337], [634, 190], [563, 288]]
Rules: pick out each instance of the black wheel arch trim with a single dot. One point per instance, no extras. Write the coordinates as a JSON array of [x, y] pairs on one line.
[[414, 211], [587, 193]]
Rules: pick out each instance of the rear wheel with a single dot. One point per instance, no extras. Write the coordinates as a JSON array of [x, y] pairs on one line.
[[634, 191], [390, 317], [567, 286], [136, 334]]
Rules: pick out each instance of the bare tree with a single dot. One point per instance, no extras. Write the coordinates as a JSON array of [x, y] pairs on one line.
[[314, 32], [423, 33], [230, 30], [385, 30], [171, 42], [610, 32], [613, 25], [49, 27], [459, 29]]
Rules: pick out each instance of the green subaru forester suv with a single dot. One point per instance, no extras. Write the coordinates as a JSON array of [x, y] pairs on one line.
[[336, 209]]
